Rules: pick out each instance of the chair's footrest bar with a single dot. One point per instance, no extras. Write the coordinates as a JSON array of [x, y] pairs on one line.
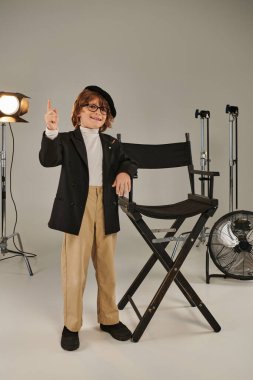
[[164, 240], [135, 308], [157, 230]]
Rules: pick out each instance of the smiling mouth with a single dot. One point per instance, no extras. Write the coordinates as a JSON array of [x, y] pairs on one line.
[[95, 118]]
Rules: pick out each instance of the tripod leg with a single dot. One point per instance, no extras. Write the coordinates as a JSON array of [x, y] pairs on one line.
[[21, 252], [24, 256], [28, 265], [20, 242]]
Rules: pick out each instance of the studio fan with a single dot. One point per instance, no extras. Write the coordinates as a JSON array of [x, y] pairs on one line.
[[230, 242]]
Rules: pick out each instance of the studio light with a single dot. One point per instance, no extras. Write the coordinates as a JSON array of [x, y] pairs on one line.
[[12, 106]]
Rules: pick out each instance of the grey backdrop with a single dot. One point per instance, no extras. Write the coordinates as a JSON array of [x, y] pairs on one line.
[[160, 60]]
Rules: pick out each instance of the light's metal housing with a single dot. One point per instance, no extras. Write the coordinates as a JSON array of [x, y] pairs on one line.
[[12, 106]]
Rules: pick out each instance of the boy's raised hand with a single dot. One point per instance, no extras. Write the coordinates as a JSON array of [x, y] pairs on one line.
[[51, 117]]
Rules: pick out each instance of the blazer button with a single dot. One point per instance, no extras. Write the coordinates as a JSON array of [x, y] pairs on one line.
[[72, 204]]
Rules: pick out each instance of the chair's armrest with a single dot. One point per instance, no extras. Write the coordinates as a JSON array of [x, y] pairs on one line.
[[206, 175], [128, 207], [204, 172]]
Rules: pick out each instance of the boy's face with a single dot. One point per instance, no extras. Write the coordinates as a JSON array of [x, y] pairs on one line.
[[91, 119]]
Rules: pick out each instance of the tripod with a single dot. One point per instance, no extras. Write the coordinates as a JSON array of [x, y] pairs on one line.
[[4, 237]]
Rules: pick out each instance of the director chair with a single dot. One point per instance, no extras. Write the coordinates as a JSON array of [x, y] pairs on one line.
[[157, 157]]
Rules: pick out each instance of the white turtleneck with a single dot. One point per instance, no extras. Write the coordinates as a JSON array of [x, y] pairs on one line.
[[94, 152]]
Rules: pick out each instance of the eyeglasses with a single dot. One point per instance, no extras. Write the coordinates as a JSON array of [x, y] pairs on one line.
[[94, 108]]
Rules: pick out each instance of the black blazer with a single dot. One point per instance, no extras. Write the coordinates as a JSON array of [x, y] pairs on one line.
[[68, 150]]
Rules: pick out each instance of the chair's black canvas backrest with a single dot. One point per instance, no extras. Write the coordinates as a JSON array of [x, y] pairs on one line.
[[160, 156]]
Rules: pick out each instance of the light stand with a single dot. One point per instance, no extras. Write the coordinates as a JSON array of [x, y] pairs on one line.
[[233, 112], [233, 156], [10, 114], [204, 159]]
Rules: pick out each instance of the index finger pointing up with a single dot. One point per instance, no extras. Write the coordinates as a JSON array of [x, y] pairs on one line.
[[49, 106]]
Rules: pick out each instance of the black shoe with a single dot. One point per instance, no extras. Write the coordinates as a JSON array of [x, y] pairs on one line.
[[118, 331], [69, 340]]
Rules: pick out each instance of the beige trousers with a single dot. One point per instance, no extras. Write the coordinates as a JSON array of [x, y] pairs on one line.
[[75, 255]]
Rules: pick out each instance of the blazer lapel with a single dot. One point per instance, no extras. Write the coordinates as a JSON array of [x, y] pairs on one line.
[[105, 147], [77, 139], [108, 154]]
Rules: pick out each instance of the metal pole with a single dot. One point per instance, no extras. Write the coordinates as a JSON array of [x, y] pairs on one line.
[[233, 112], [3, 187], [231, 163], [208, 145], [202, 155], [204, 159], [236, 167], [204, 149]]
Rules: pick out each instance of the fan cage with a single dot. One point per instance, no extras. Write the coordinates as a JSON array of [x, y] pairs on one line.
[[230, 244]]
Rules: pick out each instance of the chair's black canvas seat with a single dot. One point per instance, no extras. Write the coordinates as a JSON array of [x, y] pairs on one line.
[[186, 209]]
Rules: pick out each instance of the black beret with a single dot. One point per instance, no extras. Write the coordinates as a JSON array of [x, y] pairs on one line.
[[105, 95]]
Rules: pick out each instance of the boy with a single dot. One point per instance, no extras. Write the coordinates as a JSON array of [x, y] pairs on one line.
[[95, 171]]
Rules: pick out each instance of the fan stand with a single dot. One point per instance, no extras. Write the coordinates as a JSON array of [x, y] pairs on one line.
[[233, 195]]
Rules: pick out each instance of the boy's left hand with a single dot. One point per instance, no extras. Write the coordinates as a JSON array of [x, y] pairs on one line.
[[122, 183]]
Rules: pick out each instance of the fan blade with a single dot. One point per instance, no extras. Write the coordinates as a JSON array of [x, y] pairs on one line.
[[226, 236]]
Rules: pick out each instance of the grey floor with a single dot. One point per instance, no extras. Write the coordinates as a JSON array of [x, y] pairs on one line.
[[178, 344]]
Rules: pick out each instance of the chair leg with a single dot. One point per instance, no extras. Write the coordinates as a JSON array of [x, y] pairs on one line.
[[165, 260], [153, 306], [150, 263], [137, 282], [172, 275]]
